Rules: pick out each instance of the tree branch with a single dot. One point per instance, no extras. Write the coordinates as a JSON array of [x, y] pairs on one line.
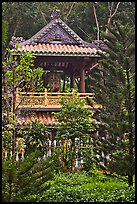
[[111, 15], [115, 9], [97, 24], [43, 16], [83, 31], [69, 11]]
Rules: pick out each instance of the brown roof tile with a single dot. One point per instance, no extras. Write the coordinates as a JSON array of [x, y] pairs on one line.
[[45, 118], [58, 49], [42, 117]]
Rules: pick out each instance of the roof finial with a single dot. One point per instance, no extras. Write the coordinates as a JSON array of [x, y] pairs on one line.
[[55, 14]]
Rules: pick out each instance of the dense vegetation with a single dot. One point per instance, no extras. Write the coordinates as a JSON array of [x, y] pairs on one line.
[[113, 82], [78, 187], [85, 188]]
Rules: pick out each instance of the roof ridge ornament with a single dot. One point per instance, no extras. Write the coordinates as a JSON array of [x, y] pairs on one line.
[[55, 14]]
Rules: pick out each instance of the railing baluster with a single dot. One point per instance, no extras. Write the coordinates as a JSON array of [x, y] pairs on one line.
[[17, 156], [6, 153], [17, 97], [46, 97], [55, 143], [23, 155]]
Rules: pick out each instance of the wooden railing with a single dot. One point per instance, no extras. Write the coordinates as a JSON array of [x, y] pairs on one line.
[[44, 99], [52, 144]]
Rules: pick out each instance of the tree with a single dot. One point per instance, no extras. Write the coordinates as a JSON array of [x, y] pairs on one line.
[[119, 94], [26, 179], [16, 73], [75, 128]]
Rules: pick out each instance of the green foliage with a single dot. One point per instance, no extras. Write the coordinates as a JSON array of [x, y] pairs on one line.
[[7, 131], [36, 77], [4, 33], [17, 73], [120, 163], [21, 72], [76, 126], [36, 137], [82, 188], [120, 95], [114, 85], [75, 121], [25, 178]]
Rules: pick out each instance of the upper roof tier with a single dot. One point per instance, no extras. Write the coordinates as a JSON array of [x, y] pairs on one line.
[[58, 38], [56, 32]]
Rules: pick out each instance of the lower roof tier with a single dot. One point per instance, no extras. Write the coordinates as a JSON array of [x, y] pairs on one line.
[[46, 118], [43, 117], [58, 50]]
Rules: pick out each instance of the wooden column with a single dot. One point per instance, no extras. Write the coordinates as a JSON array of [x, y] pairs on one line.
[[82, 80], [72, 81]]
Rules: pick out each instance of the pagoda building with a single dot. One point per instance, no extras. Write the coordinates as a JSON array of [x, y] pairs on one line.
[[62, 54]]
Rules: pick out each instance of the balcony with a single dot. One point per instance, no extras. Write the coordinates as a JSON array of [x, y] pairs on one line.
[[48, 99]]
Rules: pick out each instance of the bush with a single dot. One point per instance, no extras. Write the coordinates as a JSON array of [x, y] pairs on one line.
[[82, 188]]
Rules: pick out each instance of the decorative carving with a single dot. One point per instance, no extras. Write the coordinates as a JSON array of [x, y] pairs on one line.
[[14, 40], [32, 101], [57, 34], [55, 14], [54, 81], [55, 101], [39, 100]]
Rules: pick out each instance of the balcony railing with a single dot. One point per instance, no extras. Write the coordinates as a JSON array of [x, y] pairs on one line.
[[45, 99]]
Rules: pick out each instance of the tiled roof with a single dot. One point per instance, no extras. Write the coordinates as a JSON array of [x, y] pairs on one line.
[[58, 50], [56, 24], [57, 39], [44, 117]]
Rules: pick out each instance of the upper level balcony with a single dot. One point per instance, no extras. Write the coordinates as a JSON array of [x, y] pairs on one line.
[[49, 100]]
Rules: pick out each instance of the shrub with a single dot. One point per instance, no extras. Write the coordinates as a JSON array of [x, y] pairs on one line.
[[83, 188]]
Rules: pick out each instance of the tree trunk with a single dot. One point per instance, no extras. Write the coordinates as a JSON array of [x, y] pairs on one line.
[[10, 188], [13, 111], [73, 154], [131, 154], [131, 140], [13, 134]]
